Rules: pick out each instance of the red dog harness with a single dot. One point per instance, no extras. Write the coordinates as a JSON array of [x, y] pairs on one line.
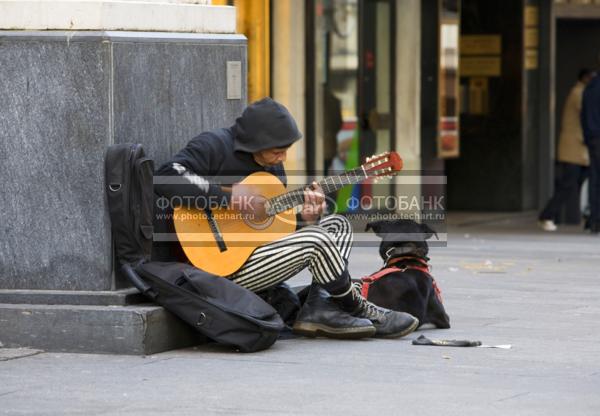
[[367, 281]]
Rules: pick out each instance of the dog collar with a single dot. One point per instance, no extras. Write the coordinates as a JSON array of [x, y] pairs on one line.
[[393, 252]]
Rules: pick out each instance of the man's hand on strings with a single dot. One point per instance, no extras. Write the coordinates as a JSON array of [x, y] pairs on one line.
[[314, 203]]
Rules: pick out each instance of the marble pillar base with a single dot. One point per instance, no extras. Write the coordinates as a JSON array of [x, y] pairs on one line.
[[67, 96]]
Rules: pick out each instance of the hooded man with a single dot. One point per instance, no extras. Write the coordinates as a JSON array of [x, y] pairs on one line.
[[258, 142]]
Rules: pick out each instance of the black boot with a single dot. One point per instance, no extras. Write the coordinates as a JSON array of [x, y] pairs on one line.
[[320, 315], [389, 324]]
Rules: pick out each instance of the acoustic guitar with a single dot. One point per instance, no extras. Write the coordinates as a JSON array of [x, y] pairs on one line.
[[220, 241]]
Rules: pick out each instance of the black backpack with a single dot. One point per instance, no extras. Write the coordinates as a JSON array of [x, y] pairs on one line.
[[215, 306], [129, 189]]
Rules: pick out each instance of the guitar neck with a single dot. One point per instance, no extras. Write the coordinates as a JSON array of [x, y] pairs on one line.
[[330, 184]]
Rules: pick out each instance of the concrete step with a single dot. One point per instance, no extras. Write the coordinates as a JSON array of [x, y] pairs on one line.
[[135, 329]]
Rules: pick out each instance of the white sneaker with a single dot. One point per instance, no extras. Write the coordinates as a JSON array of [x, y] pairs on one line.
[[547, 225]]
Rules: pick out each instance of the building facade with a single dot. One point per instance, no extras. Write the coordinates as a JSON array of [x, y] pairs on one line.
[[471, 90]]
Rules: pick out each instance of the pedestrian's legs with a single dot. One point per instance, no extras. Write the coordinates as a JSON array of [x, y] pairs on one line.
[[594, 184], [573, 211], [565, 187]]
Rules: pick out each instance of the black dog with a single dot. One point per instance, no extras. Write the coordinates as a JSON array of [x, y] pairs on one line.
[[409, 288]]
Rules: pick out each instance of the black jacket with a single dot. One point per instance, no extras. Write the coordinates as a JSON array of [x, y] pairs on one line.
[[590, 110], [218, 158]]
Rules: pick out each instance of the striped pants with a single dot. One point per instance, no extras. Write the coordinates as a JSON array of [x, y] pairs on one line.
[[323, 248]]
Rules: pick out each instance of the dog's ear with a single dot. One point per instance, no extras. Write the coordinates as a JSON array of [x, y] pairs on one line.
[[428, 231], [375, 226]]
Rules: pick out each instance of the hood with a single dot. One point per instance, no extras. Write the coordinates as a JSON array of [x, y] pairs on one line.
[[265, 124]]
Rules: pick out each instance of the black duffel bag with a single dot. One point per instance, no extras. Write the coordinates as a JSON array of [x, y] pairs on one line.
[[215, 306]]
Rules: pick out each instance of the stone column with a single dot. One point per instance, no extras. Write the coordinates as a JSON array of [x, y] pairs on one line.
[[100, 72]]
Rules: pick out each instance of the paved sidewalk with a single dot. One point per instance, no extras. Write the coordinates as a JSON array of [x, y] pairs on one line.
[[504, 282]]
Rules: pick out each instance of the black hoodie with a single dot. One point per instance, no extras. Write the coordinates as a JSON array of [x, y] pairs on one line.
[[224, 156], [265, 124]]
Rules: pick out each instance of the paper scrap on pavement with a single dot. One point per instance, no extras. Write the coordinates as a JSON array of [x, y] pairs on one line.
[[503, 346]]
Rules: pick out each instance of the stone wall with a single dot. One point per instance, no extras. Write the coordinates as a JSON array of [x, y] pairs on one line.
[[66, 96]]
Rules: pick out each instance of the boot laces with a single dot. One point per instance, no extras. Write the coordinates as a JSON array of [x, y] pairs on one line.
[[368, 309]]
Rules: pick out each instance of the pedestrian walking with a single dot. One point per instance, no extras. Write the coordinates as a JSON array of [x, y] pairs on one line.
[[573, 159]]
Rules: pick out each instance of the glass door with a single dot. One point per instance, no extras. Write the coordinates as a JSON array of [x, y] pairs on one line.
[[350, 85]]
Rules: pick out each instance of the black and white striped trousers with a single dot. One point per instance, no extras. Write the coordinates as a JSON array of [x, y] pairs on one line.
[[323, 248]]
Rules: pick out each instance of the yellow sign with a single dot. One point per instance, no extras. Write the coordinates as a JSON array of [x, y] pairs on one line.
[[531, 16], [531, 38], [480, 44], [489, 66], [531, 58]]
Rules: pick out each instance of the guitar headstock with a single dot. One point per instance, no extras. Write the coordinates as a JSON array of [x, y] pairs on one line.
[[383, 165]]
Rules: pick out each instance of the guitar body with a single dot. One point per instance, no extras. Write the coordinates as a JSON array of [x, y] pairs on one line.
[[220, 241], [240, 236]]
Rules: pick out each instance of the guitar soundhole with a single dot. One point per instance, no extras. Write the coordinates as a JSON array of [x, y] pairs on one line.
[[259, 225]]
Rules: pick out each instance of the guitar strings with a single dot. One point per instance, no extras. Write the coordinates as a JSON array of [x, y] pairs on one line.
[[293, 198]]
